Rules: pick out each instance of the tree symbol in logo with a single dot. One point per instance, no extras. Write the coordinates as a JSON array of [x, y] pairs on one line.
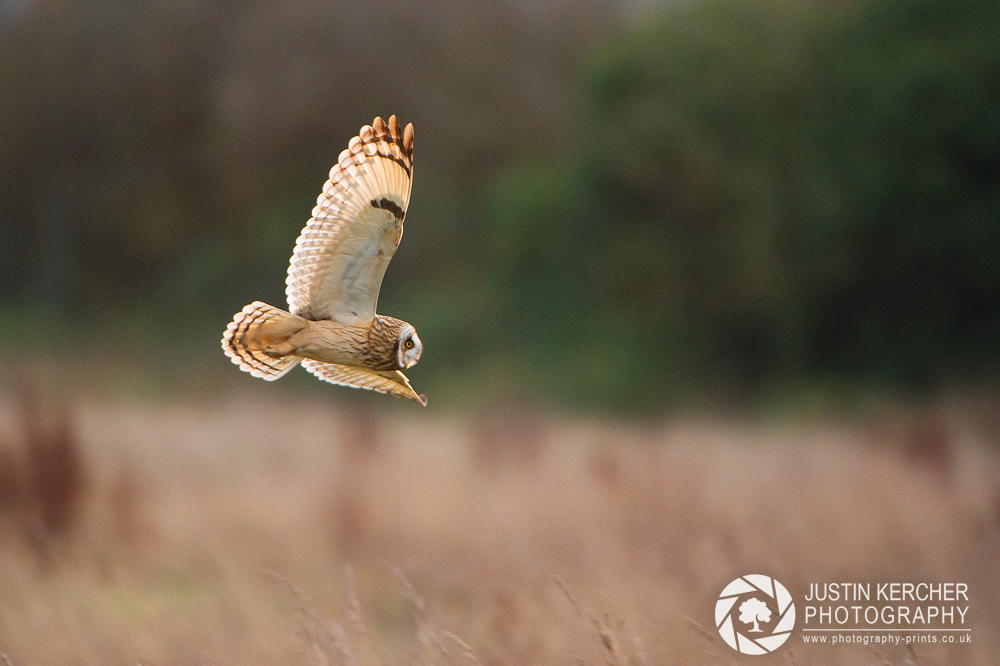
[[751, 600], [752, 610]]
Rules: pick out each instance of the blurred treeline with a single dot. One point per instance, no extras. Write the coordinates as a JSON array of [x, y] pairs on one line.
[[612, 206]]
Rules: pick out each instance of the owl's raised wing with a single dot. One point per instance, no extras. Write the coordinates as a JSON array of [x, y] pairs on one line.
[[383, 381], [341, 255]]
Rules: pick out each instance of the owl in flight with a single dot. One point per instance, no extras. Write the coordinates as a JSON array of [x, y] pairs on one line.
[[334, 278]]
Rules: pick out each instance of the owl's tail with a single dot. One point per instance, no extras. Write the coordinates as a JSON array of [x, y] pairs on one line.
[[256, 340]]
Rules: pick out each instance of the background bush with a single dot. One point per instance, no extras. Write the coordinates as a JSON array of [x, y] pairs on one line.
[[611, 207]]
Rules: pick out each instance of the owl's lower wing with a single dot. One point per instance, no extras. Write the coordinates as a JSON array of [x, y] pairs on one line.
[[385, 381], [342, 253]]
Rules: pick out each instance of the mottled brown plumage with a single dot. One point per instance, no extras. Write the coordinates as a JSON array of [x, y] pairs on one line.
[[335, 275]]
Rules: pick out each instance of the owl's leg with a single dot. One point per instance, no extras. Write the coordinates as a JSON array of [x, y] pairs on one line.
[[280, 349]]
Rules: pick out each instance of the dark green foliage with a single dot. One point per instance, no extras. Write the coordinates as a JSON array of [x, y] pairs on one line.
[[170, 151], [765, 194], [740, 197]]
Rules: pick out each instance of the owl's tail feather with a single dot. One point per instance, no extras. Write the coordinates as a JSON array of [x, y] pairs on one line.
[[256, 340]]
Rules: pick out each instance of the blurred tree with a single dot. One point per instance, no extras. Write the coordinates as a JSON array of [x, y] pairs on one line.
[[152, 149], [764, 193], [912, 289], [736, 196]]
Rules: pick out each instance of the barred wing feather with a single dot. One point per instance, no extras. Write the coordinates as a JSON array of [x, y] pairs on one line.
[[387, 381], [342, 253]]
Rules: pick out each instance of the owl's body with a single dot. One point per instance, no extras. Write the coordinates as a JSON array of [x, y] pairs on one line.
[[335, 275]]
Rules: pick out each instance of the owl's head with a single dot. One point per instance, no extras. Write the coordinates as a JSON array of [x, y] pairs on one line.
[[408, 347]]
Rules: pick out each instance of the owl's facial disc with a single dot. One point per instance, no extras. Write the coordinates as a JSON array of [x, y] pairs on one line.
[[409, 348]]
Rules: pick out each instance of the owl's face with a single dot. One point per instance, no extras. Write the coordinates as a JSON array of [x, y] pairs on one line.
[[408, 347]]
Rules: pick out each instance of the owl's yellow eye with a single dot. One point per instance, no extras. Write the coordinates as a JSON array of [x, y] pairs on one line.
[[409, 344]]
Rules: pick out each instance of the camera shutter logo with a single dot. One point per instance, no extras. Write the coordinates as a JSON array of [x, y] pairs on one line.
[[739, 623]]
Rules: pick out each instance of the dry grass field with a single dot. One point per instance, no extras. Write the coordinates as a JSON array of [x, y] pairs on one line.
[[252, 531]]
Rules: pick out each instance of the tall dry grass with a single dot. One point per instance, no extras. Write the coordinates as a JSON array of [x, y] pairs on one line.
[[43, 483], [253, 531]]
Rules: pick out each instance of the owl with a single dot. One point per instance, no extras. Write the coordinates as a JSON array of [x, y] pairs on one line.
[[335, 275]]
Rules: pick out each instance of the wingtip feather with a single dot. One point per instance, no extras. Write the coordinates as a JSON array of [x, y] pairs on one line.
[[408, 139]]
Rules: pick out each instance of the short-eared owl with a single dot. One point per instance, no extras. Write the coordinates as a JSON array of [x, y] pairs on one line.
[[335, 275]]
